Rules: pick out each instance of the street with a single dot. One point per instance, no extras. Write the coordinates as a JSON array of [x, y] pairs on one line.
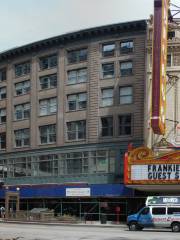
[[51, 232]]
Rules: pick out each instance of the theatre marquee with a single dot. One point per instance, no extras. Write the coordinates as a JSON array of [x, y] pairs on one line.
[[141, 167]]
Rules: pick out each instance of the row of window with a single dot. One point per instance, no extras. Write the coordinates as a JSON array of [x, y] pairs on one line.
[[45, 83], [161, 210], [73, 56], [75, 102], [125, 47], [86, 162], [76, 130], [74, 77]]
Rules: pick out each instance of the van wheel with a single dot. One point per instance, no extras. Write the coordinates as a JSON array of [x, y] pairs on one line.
[[133, 226], [175, 227]]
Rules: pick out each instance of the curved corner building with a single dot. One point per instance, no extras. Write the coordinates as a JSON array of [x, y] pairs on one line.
[[69, 106]]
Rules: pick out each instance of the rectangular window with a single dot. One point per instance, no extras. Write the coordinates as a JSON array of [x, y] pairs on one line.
[[22, 69], [47, 134], [169, 60], [48, 62], [2, 115], [49, 81], [100, 161], [77, 101], [107, 126], [76, 130], [47, 106], [22, 88], [77, 76], [76, 162], [76, 56], [108, 70], [2, 93], [125, 125], [2, 141], [159, 211], [126, 68], [47, 165], [2, 75], [126, 47], [125, 95], [22, 111], [108, 50], [107, 97], [22, 137], [173, 210]]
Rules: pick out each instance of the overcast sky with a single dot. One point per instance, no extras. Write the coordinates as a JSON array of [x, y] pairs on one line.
[[25, 21]]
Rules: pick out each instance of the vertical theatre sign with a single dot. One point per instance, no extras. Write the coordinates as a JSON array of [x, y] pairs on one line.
[[159, 57]]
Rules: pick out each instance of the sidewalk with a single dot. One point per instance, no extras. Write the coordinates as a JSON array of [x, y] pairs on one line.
[[80, 224]]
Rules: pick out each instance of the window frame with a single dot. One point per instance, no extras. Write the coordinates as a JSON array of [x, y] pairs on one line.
[[103, 52], [127, 50], [50, 80], [48, 106], [3, 117], [77, 101], [103, 98], [76, 56], [77, 76], [2, 134], [22, 139], [127, 125], [48, 134], [25, 68], [109, 128], [126, 95], [103, 71], [126, 71], [23, 87], [22, 111], [3, 94], [3, 74], [50, 58], [77, 130]]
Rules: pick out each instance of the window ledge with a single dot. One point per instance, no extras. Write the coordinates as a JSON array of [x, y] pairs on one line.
[[108, 78], [22, 95], [47, 89], [107, 106], [20, 120], [46, 69], [52, 114], [78, 110], [72, 84], [45, 144], [76, 140]]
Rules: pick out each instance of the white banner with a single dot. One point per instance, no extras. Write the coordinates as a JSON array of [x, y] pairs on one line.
[[78, 192], [155, 172]]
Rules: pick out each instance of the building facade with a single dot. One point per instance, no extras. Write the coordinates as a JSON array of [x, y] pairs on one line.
[[69, 107], [171, 139]]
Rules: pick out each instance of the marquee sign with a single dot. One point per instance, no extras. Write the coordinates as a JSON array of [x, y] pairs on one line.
[[142, 167], [159, 58]]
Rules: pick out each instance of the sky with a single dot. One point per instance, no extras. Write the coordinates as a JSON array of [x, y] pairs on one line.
[[26, 21]]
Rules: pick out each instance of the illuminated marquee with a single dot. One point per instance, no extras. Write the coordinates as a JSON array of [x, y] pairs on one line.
[[159, 58], [142, 167]]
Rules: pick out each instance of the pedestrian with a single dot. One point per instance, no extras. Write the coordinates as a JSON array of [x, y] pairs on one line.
[[2, 209]]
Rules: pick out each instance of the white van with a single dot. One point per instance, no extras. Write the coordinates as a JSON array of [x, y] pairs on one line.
[[159, 212]]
